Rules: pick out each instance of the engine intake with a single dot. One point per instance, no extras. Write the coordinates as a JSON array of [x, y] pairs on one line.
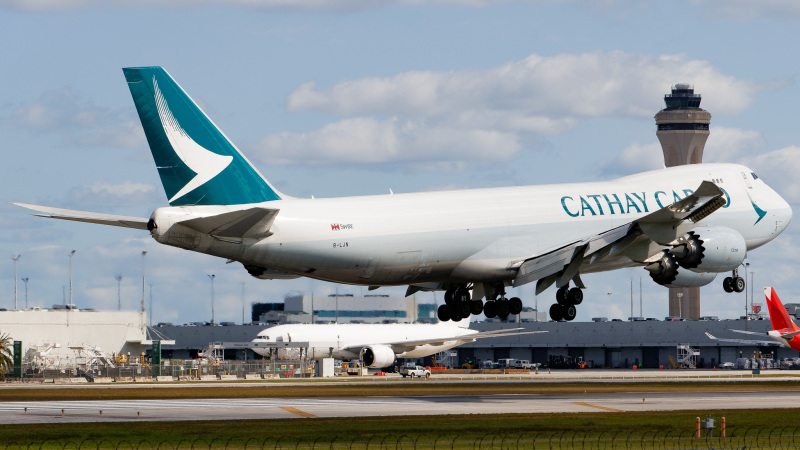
[[710, 249], [377, 356], [667, 272]]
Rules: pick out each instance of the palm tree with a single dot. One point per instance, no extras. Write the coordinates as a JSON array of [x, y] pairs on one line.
[[6, 360]]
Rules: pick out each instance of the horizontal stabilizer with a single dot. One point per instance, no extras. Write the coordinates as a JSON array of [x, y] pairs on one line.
[[90, 217], [245, 223]]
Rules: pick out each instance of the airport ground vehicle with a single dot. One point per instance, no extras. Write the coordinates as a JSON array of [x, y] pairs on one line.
[[414, 371]]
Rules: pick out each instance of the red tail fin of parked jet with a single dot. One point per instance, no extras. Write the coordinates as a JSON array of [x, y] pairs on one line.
[[784, 329]]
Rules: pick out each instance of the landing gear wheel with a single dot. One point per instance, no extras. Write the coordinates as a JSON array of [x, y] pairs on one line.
[[455, 317], [575, 296], [555, 312], [490, 310], [444, 313], [561, 295], [476, 307], [738, 284], [448, 296], [569, 312], [463, 309], [727, 284], [502, 309], [514, 305], [461, 295]]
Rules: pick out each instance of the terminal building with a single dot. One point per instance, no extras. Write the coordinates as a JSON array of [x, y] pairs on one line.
[[645, 343], [64, 334]]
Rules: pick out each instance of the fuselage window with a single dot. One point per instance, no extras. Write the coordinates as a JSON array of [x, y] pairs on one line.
[[755, 177]]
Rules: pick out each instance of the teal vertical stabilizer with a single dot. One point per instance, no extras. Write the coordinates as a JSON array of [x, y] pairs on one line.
[[197, 163]]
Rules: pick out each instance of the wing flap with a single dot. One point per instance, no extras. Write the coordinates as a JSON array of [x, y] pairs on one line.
[[88, 217]]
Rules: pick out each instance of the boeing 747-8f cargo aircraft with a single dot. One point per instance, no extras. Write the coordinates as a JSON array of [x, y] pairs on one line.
[[377, 345], [684, 225]]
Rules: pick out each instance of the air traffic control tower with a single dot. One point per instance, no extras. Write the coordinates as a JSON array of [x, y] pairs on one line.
[[682, 131]]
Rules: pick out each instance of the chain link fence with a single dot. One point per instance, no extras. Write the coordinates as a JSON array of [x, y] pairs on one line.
[[736, 438], [178, 370]]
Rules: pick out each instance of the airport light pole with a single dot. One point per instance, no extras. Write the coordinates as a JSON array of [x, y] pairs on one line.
[[25, 280], [144, 253], [15, 258], [243, 302], [118, 277], [609, 305], [71, 254], [211, 277], [151, 304], [746, 266]]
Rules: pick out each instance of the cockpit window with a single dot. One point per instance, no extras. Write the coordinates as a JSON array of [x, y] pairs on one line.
[[755, 177]]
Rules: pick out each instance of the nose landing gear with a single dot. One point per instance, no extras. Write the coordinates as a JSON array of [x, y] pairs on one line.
[[734, 283]]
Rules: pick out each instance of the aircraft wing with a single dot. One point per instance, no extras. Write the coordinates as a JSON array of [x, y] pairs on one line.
[[405, 346], [745, 341], [562, 264], [90, 217]]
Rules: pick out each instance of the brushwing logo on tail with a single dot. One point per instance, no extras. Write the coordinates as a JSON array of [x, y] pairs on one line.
[[203, 162]]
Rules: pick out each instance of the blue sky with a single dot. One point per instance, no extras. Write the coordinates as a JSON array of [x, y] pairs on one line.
[[359, 97]]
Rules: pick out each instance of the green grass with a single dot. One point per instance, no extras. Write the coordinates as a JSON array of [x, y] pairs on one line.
[[462, 430]]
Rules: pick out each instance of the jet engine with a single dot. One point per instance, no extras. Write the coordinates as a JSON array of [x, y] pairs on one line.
[[377, 356], [667, 272], [710, 249]]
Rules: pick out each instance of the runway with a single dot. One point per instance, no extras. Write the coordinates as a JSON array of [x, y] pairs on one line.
[[284, 408]]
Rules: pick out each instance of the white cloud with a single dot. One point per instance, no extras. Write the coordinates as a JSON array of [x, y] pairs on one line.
[[749, 9], [103, 194], [561, 86], [488, 114], [779, 169], [634, 158], [728, 144], [370, 141], [302, 5], [77, 120]]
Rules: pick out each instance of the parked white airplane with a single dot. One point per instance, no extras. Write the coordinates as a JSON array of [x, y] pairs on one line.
[[683, 224], [377, 345]]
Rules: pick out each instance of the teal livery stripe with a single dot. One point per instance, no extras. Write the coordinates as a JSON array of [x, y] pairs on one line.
[[197, 164]]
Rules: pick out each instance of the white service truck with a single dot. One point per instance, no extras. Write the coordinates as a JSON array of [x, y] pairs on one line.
[[414, 371]]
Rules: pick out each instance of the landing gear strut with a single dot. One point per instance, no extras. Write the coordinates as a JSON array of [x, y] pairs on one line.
[[734, 283]]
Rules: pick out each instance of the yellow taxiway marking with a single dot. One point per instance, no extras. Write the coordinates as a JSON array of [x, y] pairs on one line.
[[297, 411], [595, 406]]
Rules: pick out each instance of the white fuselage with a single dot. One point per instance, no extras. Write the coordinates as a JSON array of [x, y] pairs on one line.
[[334, 340], [473, 235]]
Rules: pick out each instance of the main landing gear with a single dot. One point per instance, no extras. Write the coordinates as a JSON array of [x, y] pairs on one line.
[[458, 305], [567, 300], [734, 283]]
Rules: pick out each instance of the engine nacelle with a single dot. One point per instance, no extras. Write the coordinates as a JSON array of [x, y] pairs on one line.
[[688, 278], [263, 273], [710, 249], [377, 356], [667, 272]]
